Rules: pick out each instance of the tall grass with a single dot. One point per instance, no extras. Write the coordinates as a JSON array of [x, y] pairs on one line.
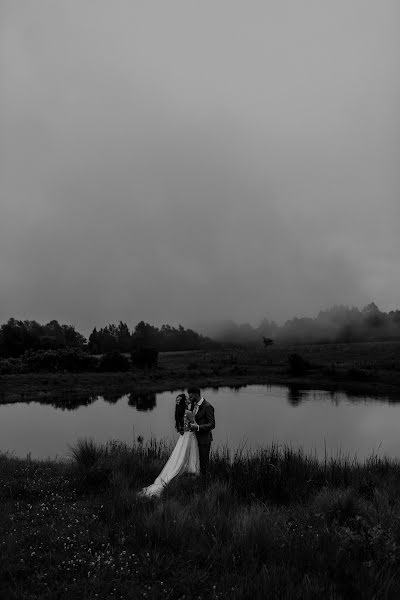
[[275, 523], [276, 474]]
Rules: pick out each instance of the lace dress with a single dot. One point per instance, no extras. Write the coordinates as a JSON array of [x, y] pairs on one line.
[[184, 459]]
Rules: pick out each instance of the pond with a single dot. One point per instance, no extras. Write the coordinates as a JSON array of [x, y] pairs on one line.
[[248, 417]]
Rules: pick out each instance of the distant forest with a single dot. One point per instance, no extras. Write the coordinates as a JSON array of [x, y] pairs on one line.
[[338, 324], [18, 337]]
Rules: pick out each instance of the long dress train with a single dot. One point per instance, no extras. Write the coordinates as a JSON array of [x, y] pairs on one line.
[[184, 459]]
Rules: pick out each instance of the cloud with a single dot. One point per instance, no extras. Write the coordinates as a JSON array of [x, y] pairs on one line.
[[185, 164]]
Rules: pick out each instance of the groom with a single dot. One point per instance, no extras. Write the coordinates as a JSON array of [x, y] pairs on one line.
[[204, 422]]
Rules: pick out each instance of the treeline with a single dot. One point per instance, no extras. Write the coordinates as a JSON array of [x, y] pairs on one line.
[[166, 338], [339, 324], [18, 337]]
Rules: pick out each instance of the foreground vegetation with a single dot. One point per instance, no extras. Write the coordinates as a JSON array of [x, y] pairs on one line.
[[274, 524]]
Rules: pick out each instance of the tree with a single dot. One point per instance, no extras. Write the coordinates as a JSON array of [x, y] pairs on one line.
[[297, 364], [73, 339], [373, 317], [15, 338], [124, 338], [94, 342], [267, 341], [114, 362], [145, 335]]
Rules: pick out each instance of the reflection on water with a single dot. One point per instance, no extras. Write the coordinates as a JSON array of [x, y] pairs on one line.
[[112, 397], [316, 420], [144, 401], [147, 401], [295, 395], [66, 402]]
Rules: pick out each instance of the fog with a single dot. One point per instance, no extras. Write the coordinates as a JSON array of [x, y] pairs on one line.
[[184, 162]]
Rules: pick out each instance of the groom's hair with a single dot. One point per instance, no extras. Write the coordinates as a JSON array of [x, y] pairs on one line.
[[194, 390]]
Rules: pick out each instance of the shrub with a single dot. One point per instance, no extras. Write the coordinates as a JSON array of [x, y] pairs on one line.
[[12, 366], [114, 361], [86, 453], [92, 465], [68, 359], [341, 505], [297, 364], [144, 357]]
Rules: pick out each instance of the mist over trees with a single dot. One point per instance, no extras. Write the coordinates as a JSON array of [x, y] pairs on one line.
[[337, 324]]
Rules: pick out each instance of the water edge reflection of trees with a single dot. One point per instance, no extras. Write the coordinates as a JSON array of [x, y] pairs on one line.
[[146, 401], [295, 395], [63, 402], [143, 402]]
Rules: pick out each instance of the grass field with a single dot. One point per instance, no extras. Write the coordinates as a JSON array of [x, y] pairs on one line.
[[275, 524]]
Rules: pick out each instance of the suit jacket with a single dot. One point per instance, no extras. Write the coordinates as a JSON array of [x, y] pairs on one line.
[[206, 422]]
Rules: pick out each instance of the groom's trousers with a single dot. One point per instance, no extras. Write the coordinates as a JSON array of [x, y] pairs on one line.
[[204, 455]]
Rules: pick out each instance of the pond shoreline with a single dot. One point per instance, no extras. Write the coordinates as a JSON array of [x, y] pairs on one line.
[[39, 386], [364, 369]]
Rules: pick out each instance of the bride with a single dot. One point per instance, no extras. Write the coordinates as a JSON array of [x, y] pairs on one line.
[[185, 455]]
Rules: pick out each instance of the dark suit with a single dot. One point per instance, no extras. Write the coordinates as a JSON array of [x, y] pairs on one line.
[[206, 422]]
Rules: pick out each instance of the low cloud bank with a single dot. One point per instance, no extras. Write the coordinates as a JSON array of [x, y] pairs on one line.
[[337, 324]]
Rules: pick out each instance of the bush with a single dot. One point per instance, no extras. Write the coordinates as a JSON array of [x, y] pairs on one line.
[[340, 505], [114, 361], [86, 453], [144, 357], [54, 361], [297, 364], [12, 366], [92, 465]]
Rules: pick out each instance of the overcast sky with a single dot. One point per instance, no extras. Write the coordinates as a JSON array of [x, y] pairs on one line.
[[182, 161]]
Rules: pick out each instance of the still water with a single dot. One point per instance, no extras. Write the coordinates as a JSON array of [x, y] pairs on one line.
[[247, 417]]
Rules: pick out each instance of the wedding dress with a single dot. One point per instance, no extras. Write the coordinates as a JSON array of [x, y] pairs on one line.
[[184, 459]]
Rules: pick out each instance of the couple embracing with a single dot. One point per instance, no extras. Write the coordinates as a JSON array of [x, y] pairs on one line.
[[194, 420]]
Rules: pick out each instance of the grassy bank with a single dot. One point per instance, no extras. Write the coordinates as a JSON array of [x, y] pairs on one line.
[[366, 369], [275, 524]]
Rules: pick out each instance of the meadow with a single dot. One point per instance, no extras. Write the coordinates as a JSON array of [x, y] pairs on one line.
[[273, 524]]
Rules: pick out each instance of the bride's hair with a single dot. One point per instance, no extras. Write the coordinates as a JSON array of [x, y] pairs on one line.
[[180, 408]]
